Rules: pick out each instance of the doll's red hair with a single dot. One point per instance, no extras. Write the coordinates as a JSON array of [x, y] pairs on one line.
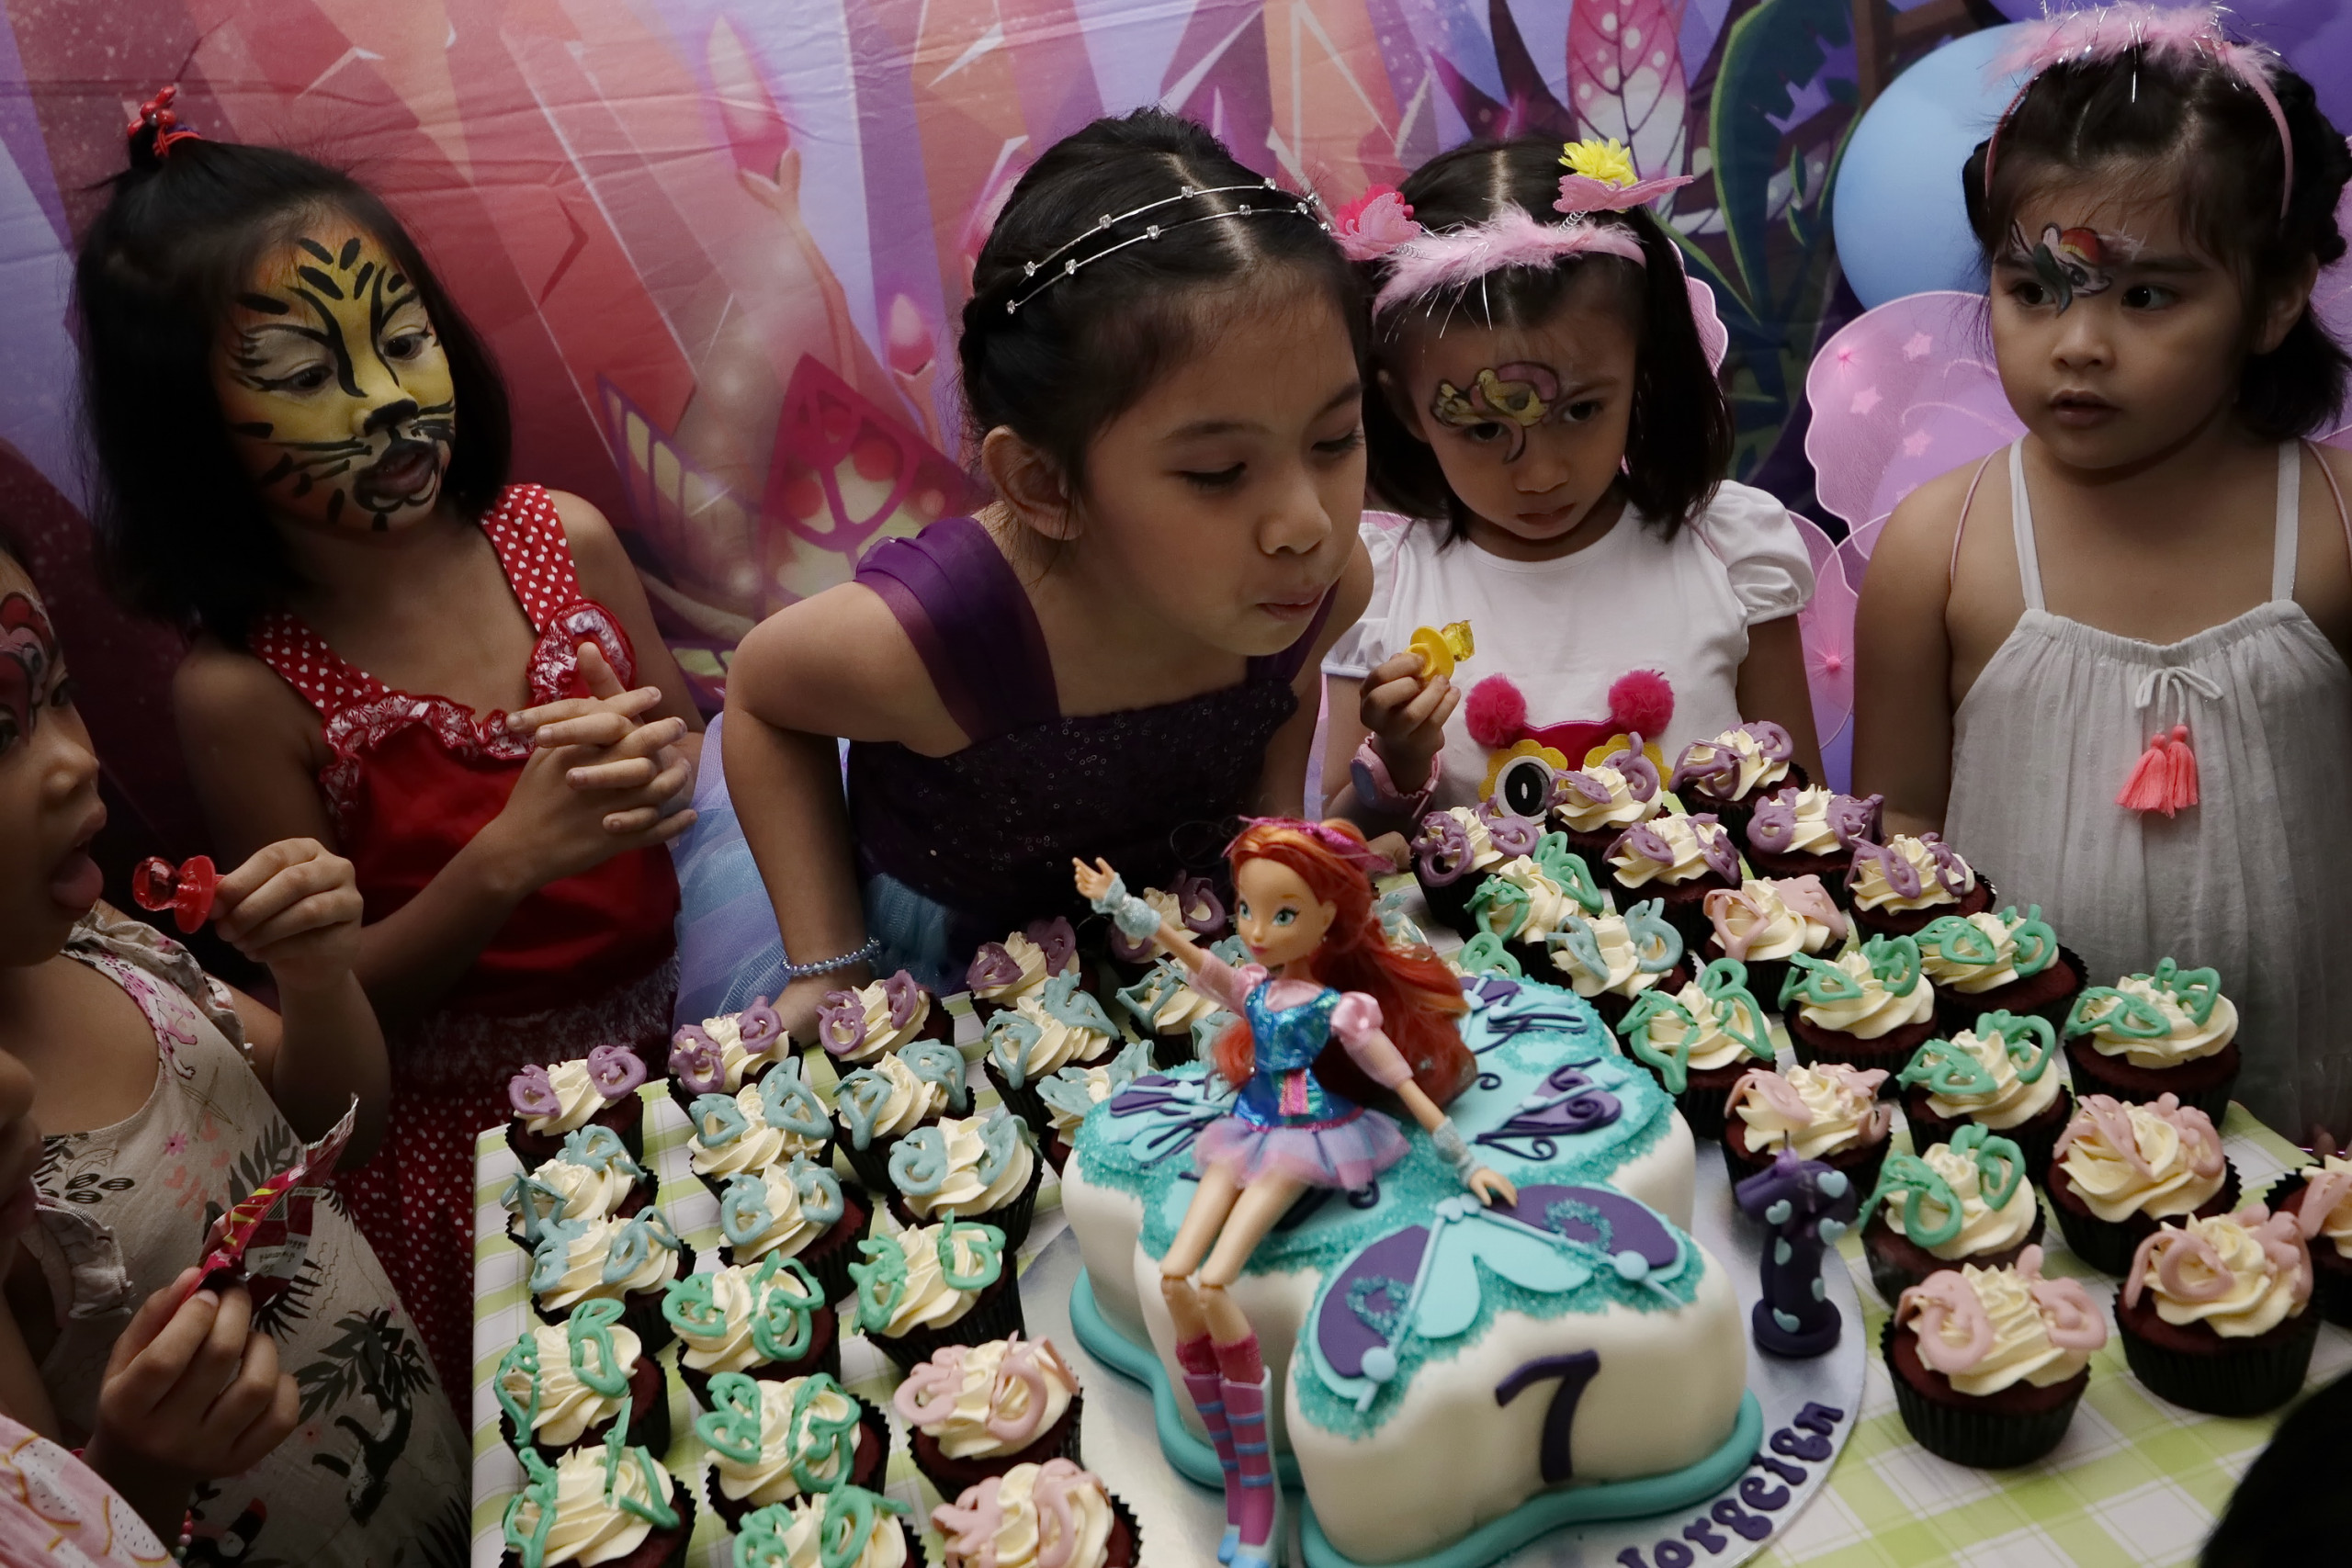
[[1418, 995]]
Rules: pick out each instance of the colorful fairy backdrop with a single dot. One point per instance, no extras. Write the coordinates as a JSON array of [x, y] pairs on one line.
[[719, 245]]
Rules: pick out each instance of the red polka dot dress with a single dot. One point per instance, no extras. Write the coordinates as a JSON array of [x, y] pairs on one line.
[[580, 963]]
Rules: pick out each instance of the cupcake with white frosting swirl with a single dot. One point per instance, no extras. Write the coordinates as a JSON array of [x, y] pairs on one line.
[[1039, 1515], [593, 1177], [779, 1441], [1765, 923], [974, 1411], [1810, 832], [1728, 774], [1610, 959], [561, 1386], [631, 1261], [1989, 1363], [2170, 1032], [1699, 1040], [720, 1055], [770, 1319], [2004, 962], [849, 1526], [930, 1286], [2002, 1075], [1456, 847], [800, 1210], [857, 1025], [2214, 1312], [1594, 805], [1679, 860], [1164, 1009], [550, 1102], [1969, 1200], [2121, 1170], [1870, 1007], [1059, 1026], [1002, 973], [878, 1105], [1831, 1112], [974, 1167], [1899, 888], [609, 1506]]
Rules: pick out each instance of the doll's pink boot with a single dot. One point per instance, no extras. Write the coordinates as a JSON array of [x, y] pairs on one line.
[[1254, 1501], [1198, 1359]]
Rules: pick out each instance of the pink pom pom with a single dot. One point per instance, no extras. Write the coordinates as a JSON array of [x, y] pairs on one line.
[[1495, 713], [1640, 703]]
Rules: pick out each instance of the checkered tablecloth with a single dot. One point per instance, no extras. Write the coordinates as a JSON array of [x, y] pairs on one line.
[[2137, 1480]]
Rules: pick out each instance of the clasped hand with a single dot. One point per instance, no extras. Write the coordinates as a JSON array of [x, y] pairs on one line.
[[613, 752]]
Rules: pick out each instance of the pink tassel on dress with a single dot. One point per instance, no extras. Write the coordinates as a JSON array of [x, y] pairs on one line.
[[2165, 778]]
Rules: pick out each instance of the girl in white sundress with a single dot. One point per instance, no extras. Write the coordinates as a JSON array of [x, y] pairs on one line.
[[2109, 661]]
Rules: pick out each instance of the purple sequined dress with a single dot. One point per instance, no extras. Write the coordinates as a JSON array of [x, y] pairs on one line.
[[988, 831]]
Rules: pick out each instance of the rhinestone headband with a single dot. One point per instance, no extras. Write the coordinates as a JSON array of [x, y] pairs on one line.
[[1048, 274]]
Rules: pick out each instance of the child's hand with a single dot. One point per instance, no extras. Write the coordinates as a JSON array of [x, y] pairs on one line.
[[549, 831], [1406, 715], [188, 1395], [294, 907], [610, 719]]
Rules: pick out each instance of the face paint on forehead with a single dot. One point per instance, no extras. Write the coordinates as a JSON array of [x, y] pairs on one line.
[[27, 660], [2070, 261], [1520, 396]]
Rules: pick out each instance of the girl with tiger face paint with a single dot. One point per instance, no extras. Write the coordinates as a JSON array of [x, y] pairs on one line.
[[335, 386]]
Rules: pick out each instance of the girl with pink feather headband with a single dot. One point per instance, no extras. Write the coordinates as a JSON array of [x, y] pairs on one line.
[[2114, 677], [1548, 422]]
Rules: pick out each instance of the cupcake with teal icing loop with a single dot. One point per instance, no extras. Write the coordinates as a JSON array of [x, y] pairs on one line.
[[1484, 954], [770, 1319], [631, 1261], [1699, 1041], [2000, 962], [2170, 1032], [615, 1504], [2002, 1075], [1524, 901], [797, 1210], [1965, 1201], [776, 1442], [949, 1284], [982, 1167], [562, 1387], [1073, 1093], [777, 1119], [1163, 1008], [1610, 959], [593, 1177], [1872, 1007], [875, 1106], [1060, 1026], [848, 1526]]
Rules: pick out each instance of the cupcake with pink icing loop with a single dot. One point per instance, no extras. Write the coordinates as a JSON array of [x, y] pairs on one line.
[[1830, 1112], [2321, 1196], [1989, 1363], [2213, 1310], [1765, 923], [975, 1410], [1039, 1515], [2121, 1169]]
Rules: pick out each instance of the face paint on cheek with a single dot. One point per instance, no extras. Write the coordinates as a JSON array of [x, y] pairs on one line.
[[1519, 395], [27, 655], [2071, 262]]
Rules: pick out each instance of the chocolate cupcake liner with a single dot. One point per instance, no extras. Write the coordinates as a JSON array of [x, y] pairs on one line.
[[1450, 901], [661, 1548], [2203, 1087], [2107, 1245], [1026, 1102], [1061, 1442], [1980, 1439], [2245, 1378], [1911, 922], [649, 1422], [1132, 1557], [1892, 1275], [2331, 1271], [2035, 1138], [1591, 848], [824, 1357], [1013, 1219], [870, 1469], [1170, 1051], [995, 1314]]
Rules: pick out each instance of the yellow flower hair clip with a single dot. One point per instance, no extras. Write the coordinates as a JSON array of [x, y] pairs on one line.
[[1610, 161]]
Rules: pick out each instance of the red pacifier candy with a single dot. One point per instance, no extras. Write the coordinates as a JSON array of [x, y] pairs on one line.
[[186, 891]]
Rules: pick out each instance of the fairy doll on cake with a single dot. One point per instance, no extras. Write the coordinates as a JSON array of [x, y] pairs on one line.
[[1322, 973]]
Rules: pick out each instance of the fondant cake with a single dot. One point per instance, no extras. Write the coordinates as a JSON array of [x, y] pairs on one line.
[[1447, 1365]]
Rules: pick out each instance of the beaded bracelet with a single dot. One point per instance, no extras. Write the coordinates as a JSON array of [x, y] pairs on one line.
[[865, 955]]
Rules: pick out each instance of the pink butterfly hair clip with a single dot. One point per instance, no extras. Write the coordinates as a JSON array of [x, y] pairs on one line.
[[1601, 178], [1375, 224]]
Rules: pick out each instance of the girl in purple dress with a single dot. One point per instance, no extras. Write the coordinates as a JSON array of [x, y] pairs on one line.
[[1322, 973], [1160, 359]]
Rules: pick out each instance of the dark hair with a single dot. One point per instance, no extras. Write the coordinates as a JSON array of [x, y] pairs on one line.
[[181, 527], [1076, 355], [1679, 444], [2288, 1506], [2217, 148]]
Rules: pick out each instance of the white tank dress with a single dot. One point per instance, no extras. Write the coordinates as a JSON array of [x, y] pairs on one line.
[[2250, 881]]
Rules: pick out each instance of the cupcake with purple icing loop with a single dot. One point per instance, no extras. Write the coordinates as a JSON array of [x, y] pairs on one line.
[[1679, 860], [721, 1055], [1594, 805], [1002, 973], [1728, 773], [1189, 903], [1901, 886], [551, 1101], [1810, 832], [857, 1025], [1450, 853]]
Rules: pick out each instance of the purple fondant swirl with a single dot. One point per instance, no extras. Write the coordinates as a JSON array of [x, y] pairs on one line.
[[1196, 901], [1514, 835], [1773, 829], [840, 1023], [697, 1061], [1719, 773], [1646, 841], [1854, 820], [1057, 941], [758, 1027], [1639, 772], [531, 1094], [615, 1070], [992, 965], [1585, 785], [902, 996], [1442, 849], [1715, 848], [1902, 877], [1773, 741]]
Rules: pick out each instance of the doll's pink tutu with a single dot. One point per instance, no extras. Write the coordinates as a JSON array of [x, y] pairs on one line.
[[1345, 1154]]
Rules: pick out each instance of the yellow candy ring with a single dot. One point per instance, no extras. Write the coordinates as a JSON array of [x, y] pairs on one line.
[[1441, 647]]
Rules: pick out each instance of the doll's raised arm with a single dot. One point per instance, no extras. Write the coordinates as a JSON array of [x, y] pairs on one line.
[[1136, 920]]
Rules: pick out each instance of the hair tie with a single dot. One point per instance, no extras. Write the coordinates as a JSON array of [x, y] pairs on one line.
[[158, 112]]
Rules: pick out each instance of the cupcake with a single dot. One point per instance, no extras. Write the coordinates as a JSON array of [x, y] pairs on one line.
[[769, 1320], [1730, 773], [593, 1177], [612, 1506], [1527, 897], [1163, 1007], [1764, 924], [877, 1106], [2214, 1312], [2169, 1033], [973, 1168], [551, 1101], [855, 1026], [974, 1411], [1829, 1113], [1998, 1075], [1062, 1512], [775, 1442], [1609, 959], [1964, 1201], [1594, 806], [627, 1261], [848, 1526], [935, 1285], [1001, 972], [1897, 888], [2320, 1197], [721, 1055], [797, 1211], [1998, 962], [769, 1123], [1870, 1007], [2121, 1168], [1810, 832], [1190, 905], [1485, 953], [1988, 1364], [1455, 849], [1070, 1093], [561, 1387], [1059, 1026], [1699, 1040], [1679, 860]]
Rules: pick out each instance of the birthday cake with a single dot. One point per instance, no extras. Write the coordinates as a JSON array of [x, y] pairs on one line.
[[1456, 1378]]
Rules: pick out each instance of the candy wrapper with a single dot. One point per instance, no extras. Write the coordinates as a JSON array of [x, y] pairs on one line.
[[263, 1240], [186, 890]]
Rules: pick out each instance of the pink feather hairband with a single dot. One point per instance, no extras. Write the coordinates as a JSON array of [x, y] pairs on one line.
[[2074, 37]]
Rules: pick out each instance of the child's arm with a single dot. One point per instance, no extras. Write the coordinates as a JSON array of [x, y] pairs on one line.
[[254, 751], [1282, 782], [1902, 661], [833, 667], [294, 908], [1405, 713], [1772, 686]]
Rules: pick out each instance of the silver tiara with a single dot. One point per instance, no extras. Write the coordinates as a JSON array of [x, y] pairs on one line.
[[1070, 267]]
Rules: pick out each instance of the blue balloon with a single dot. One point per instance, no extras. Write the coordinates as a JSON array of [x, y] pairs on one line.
[[1901, 225]]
